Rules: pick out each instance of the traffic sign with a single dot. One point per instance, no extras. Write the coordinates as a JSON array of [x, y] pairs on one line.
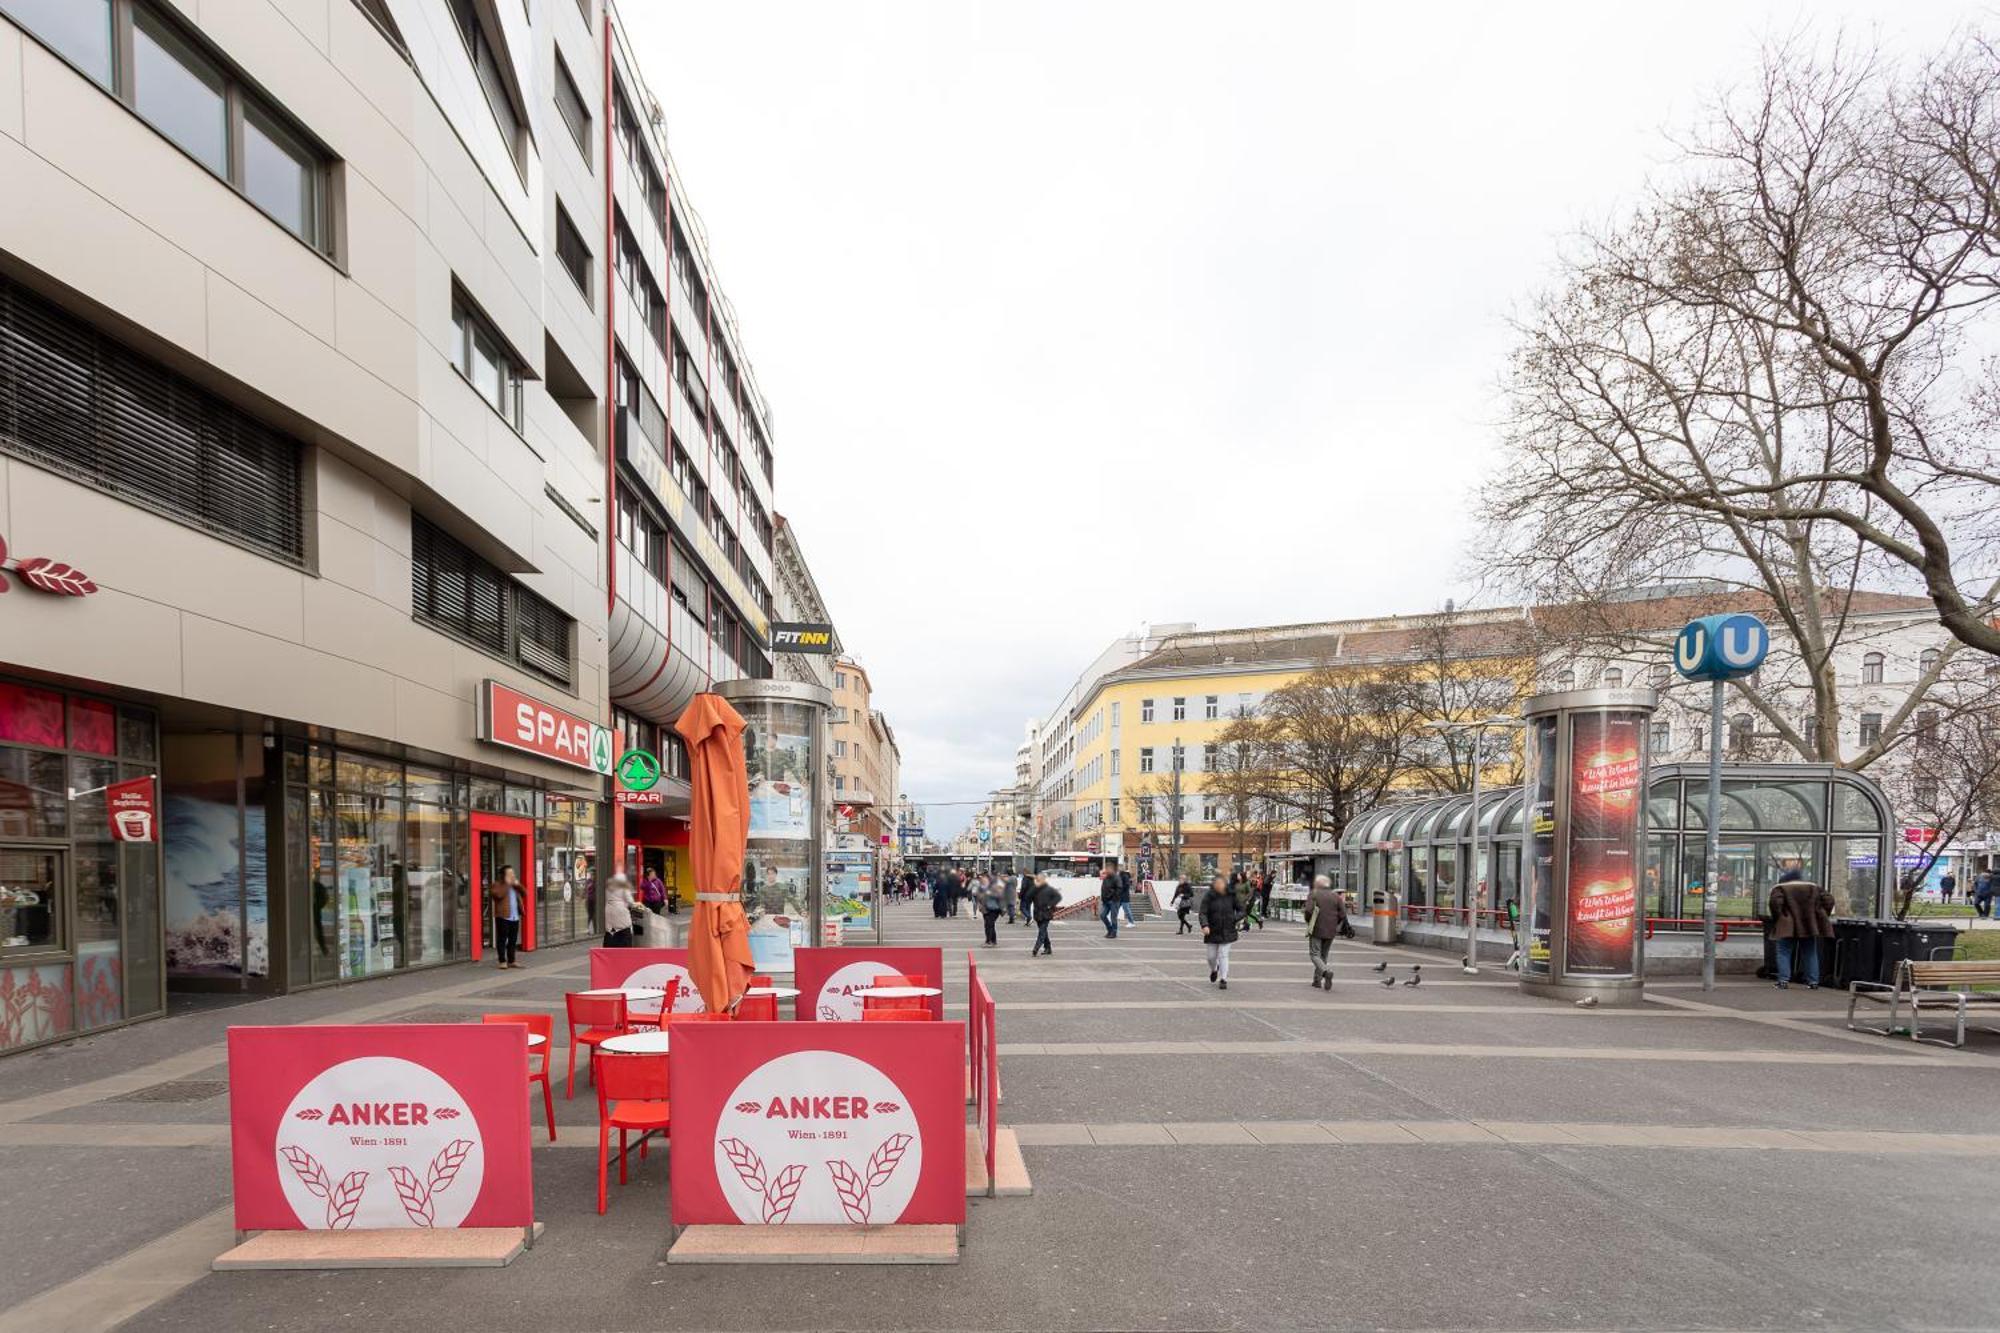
[[638, 770], [986, 835], [1721, 647]]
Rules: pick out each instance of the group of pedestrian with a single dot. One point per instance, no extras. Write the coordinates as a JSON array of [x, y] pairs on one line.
[[1985, 891], [626, 909], [1233, 903], [1114, 897]]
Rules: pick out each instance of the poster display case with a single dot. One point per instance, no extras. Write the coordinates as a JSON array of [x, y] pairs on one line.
[[784, 870]]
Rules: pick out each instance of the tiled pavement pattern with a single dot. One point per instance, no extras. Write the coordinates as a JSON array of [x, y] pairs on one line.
[[1445, 1156]]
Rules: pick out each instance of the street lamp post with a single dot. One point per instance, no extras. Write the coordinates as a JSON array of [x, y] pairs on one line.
[[1480, 855]]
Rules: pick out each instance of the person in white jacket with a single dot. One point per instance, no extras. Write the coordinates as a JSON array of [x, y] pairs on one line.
[[619, 907]]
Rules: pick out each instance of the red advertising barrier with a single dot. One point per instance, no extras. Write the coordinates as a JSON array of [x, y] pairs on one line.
[[983, 1034], [646, 967], [828, 978], [860, 1123], [383, 1126]]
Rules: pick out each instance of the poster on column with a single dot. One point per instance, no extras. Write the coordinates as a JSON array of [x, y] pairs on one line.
[[841, 1123], [646, 967], [1540, 819], [1607, 764], [379, 1127], [828, 979]]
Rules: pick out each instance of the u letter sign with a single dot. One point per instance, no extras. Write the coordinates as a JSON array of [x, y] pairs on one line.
[[379, 1127], [843, 1123]]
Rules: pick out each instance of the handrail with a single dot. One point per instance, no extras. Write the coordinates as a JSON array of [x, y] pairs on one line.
[[1722, 924]]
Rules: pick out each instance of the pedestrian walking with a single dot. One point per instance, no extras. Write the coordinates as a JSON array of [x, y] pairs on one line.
[[1218, 929], [1183, 904], [1265, 884], [1801, 916], [1107, 901], [619, 907], [1125, 895], [1982, 893], [652, 892], [1027, 896], [507, 901], [1948, 885], [1009, 891], [1047, 898], [1326, 914], [993, 893]]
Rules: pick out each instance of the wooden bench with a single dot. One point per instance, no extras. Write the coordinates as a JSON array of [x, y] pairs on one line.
[[1945, 983]]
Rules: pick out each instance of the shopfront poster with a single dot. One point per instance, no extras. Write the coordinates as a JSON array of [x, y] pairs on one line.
[[1607, 763]]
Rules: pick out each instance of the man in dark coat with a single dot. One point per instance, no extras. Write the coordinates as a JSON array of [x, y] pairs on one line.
[[1046, 899], [1218, 929], [1327, 911], [1801, 916], [1107, 900]]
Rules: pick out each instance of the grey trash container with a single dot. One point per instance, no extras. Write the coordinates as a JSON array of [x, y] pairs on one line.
[[1382, 907]]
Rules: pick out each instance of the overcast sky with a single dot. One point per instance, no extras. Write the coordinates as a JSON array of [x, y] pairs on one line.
[[1077, 316]]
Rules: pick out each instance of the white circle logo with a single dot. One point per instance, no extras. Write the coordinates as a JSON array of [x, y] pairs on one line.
[[818, 1136], [379, 1142], [687, 1000], [837, 1002]]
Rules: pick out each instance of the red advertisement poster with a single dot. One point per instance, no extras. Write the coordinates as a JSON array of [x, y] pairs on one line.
[[828, 979], [379, 1127], [776, 1123], [1607, 767], [646, 967], [134, 811]]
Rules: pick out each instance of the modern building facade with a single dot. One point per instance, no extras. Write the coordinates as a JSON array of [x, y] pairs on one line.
[[366, 359]]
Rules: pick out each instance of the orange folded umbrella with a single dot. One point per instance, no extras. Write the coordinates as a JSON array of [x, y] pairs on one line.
[[718, 945]]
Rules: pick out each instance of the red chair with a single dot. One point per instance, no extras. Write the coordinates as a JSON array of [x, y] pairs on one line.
[[631, 1094], [757, 1008], [592, 1019], [918, 1003], [544, 1026], [894, 1015], [649, 1018]]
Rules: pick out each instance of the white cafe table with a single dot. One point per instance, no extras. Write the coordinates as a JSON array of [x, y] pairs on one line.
[[629, 992], [636, 1043], [778, 992], [536, 1039], [899, 992]]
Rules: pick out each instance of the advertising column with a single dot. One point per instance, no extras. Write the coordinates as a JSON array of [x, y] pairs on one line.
[[784, 749], [1585, 840]]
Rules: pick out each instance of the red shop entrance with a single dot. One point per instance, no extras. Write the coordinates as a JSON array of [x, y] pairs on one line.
[[498, 842]]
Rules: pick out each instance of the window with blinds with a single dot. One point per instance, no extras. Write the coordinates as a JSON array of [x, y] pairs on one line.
[[458, 593], [80, 403]]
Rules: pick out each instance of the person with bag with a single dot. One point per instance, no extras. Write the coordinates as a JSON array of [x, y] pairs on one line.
[[619, 906], [1218, 929], [1183, 904], [652, 891], [992, 901], [1326, 915], [1801, 916], [1046, 900]]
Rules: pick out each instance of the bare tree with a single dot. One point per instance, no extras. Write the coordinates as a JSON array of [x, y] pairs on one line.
[[1464, 671], [1336, 739], [1949, 786], [1770, 373], [1242, 784]]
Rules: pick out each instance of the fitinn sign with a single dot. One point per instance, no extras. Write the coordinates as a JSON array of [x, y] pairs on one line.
[[522, 722]]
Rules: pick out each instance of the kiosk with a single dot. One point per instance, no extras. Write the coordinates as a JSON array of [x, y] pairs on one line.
[[784, 858]]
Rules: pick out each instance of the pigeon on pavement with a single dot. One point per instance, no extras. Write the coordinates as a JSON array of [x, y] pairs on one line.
[[1389, 981], [1381, 966], [1415, 980]]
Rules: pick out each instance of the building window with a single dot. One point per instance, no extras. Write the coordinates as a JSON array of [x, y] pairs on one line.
[[840, 680], [1927, 726], [454, 591], [1742, 730], [1180, 708], [840, 749], [486, 363], [1871, 728], [1209, 755], [1115, 818], [572, 253], [1926, 792], [81, 404], [1662, 738], [1145, 759], [180, 88], [1114, 762], [1871, 669], [1207, 810], [1612, 679], [1180, 758], [1145, 710], [574, 110], [492, 81], [1212, 707], [1566, 679], [1657, 673], [1928, 661]]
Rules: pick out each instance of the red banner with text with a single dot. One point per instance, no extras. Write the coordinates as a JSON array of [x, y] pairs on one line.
[[380, 1127], [841, 1123], [828, 979]]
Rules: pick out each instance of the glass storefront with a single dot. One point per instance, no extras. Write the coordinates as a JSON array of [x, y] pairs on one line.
[[79, 912]]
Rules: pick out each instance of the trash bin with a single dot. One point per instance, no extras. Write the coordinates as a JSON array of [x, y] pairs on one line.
[[1382, 906], [1907, 939], [1857, 950]]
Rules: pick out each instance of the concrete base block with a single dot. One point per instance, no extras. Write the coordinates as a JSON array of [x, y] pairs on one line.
[[812, 1244], [414, 1247], [1010, 1169]]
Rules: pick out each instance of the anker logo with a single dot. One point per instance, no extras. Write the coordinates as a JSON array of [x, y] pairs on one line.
[[787, 1153]]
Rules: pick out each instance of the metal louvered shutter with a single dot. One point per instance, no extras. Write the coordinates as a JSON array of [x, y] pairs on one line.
[[465, 596], [80, 403]]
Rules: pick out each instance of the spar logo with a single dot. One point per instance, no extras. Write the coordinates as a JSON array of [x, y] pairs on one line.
[[837, 1002], [379, 1142], [818, 1136], [687, 1000]]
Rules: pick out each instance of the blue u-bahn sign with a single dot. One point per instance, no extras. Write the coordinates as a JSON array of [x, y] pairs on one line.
[[1721, 647]]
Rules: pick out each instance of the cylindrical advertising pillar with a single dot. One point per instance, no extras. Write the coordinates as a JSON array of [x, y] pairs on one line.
[[784, 864], [1583, 862]]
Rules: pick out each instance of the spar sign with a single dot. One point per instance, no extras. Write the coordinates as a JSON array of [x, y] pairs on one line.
[[379, 1127], [828, 979], [842, 1123], [522, 722], [646, 967]]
